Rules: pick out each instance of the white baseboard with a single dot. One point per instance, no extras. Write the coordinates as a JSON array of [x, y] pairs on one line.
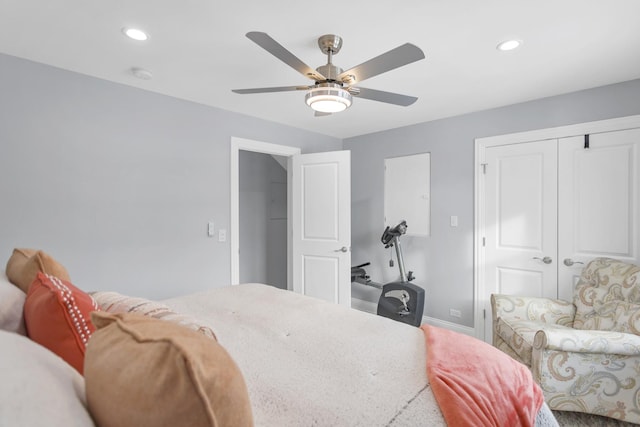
[[449, 325], [362, 305], [372, 307]]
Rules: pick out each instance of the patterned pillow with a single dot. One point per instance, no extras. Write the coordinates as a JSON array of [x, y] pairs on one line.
[[604, 280], [618, 316], [114, 302], [56, 315]]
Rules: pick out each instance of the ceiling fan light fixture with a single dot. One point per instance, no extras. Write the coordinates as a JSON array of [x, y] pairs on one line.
[[328, 98]]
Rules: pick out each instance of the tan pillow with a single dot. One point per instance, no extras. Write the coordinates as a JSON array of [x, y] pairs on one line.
[[140, 371], [24, 264]]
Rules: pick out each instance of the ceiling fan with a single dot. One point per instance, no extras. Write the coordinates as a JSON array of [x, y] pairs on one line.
[[332, 91]]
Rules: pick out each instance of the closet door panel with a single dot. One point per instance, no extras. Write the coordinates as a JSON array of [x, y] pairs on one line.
[[598, 193], [520, 221]]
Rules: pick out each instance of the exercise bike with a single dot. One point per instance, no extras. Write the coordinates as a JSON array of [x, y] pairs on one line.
[[402, 301]]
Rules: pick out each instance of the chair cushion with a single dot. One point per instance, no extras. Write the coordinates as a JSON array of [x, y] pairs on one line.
[[519, 335], [618, 316], [604, 281]]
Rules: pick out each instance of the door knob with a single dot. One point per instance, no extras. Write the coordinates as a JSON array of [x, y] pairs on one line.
[[342, 249], [546, 260], [569, 262]]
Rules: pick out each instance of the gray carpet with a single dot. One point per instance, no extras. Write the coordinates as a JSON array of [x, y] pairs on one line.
[[578, 419]]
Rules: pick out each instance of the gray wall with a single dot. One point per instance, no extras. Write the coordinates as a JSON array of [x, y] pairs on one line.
[[443, 262], [118, 183], [263, 219]]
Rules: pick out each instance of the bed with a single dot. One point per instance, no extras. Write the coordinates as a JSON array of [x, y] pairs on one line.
[[305, 362], [335, 366]]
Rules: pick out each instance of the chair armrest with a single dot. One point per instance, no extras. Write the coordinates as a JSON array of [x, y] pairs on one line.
[[586, 341], [545, 310]]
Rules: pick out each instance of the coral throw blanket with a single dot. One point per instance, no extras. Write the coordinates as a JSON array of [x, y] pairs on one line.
[[476, 384]]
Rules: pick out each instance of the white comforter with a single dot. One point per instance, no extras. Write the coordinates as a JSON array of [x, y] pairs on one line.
[[307, 362]]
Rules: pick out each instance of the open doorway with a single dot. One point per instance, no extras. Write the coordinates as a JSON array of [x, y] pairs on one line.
[[243, 268], [263, 218]]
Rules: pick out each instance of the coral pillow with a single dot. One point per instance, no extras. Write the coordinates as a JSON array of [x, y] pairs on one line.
[[476, 384], [24, 265], [56, 315], [146, 372]]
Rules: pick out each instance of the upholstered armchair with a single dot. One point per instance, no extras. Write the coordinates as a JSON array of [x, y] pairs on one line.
[[585, 355]]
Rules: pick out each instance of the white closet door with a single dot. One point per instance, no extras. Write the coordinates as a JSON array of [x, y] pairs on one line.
[[321, 221], [599, 193], [520, 221]]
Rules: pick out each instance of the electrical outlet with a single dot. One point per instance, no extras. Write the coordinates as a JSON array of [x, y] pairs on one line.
[[455, 313], [222, 235]]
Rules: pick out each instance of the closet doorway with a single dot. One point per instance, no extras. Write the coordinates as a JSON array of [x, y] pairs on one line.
[[263, 218], [250, 260], [549, 201]]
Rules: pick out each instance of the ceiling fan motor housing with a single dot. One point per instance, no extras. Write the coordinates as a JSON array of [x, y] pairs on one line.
[[330, 71]]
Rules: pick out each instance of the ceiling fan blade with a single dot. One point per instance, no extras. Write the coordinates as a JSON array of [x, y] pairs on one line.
[[270, 89], [320, 114], [382, 96], [276, 49], [395, 58]]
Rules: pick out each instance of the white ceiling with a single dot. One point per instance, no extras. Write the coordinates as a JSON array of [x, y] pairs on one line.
[[198, 50]]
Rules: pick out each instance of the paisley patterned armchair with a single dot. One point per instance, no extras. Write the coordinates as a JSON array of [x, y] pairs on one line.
[[585, 355]]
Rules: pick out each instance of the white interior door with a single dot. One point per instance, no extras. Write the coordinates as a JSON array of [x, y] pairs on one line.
[[520, 221], [321, 225], [599, 194]]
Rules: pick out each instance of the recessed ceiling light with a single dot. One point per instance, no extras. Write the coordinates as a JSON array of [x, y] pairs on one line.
[[509, 45], [136, 34]]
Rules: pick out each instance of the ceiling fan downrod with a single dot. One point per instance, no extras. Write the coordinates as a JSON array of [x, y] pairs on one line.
[[330, 45]]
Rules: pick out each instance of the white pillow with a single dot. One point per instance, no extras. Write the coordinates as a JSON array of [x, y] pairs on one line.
[[11, 306], [38, 388]]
